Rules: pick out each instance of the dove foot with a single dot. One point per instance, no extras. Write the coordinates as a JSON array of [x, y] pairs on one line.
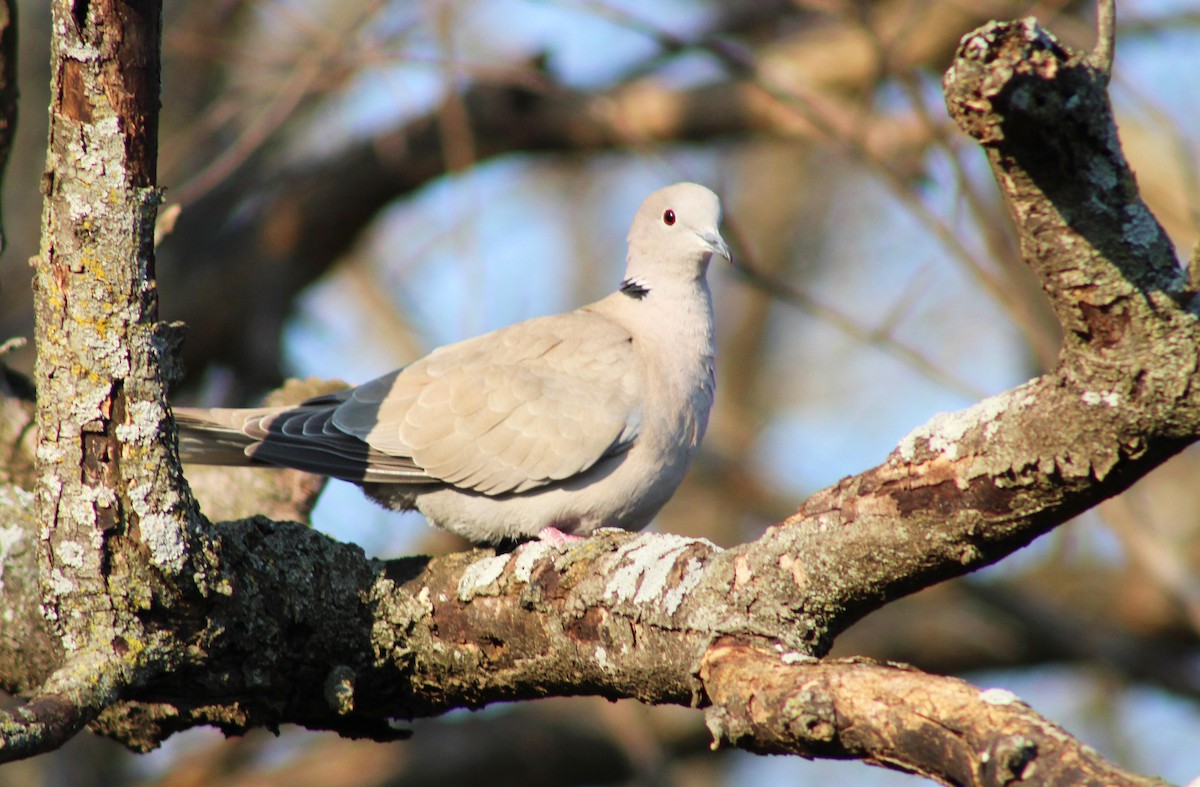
[[552, 535]]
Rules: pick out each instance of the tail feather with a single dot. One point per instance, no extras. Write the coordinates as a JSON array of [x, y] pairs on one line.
[[209, 437], [300, 437]]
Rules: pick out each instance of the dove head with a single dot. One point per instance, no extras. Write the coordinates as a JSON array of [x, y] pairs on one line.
[[675, 234]]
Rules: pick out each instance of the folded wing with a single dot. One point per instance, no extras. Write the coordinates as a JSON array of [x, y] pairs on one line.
[[509, 411]]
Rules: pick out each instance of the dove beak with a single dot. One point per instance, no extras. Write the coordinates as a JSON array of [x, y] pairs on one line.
[[717, 244]]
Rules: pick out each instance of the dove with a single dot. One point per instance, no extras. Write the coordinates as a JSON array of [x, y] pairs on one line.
[[549, 428]]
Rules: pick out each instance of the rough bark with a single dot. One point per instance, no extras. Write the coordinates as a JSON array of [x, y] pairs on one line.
[[896, 717], [112, 522], [166, 623], [968, 488]]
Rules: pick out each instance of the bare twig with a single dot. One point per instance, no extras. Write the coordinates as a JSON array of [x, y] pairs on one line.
[[1101, 57], [11, 344], [302, 82]]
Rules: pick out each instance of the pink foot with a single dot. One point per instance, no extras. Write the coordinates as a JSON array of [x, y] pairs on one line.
[[552, 535]]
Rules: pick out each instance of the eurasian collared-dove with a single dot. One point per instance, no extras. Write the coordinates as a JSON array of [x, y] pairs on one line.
[[557, 425]]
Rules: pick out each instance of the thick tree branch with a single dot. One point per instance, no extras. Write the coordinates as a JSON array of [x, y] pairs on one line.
[[968, 488], [114, 518], [619, 615], [893, 716], [101, 399], [311, 632]]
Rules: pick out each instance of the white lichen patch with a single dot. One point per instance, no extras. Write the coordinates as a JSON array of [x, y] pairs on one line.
[[70, 553], [998, 697], [69, 642], [692, 574], [163, 535], [86, 405], [528, 556], [144, 421], [943, 432], [139, 498], [107, 355], [644, 569], [93, 163], [82, 508], [1108, 398], [60, 583], [479, 576], [98, 496], [52, 453]]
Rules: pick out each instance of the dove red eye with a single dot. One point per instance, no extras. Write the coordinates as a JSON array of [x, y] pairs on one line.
[[669, 217]]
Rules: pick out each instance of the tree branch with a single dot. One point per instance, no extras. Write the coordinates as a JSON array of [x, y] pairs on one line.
[[1106, 37], [114, 518], [969, 488], [101, 399], [41, 725], [896, 717], [70, 698]]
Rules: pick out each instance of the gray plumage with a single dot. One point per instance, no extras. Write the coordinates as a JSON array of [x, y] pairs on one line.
[[575, 421]]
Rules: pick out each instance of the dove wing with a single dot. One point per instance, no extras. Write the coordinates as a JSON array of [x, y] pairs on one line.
[[509, 411]]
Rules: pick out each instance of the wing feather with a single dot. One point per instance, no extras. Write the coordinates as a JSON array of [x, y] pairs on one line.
[[508, 411]]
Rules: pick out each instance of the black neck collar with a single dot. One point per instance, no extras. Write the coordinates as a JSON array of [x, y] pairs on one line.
[[634, 289]]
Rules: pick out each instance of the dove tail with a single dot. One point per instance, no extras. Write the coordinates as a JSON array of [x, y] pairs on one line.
[[212, 437]]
